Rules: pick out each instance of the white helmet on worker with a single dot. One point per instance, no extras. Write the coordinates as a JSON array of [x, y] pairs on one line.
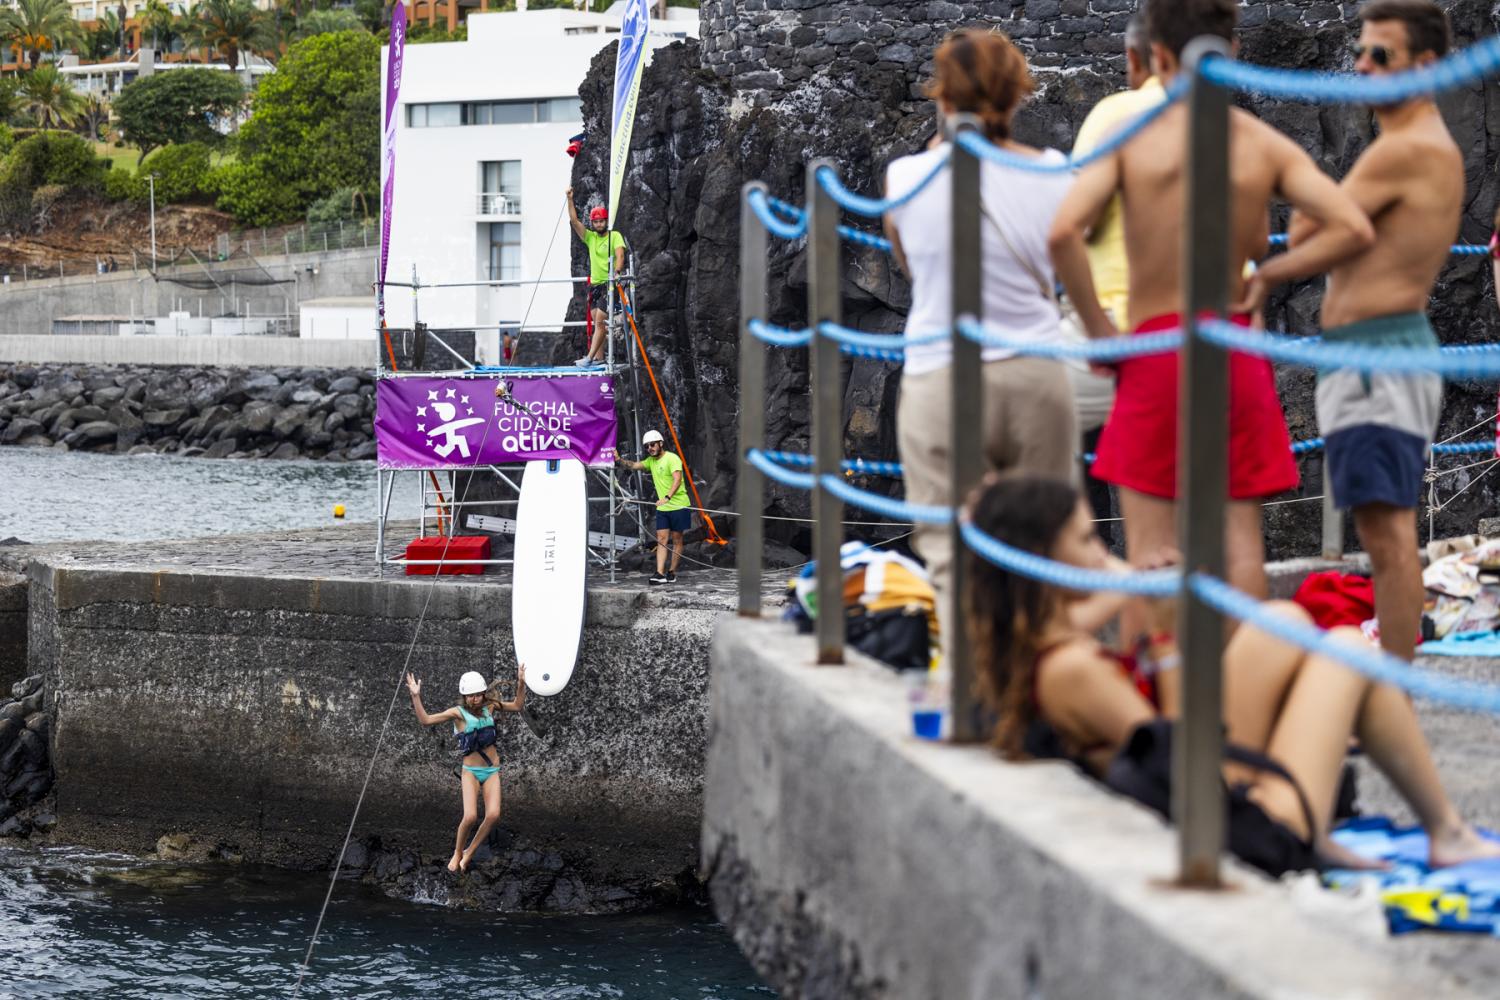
[[652, 437], [472, 683]]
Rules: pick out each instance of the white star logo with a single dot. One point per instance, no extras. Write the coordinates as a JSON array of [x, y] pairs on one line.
[[468, 409], [451, 393], [464, 400], [421, 427], [432, 394], [421, 411], [429, 442]]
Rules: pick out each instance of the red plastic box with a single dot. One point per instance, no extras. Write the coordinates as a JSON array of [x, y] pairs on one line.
[[459, 547]]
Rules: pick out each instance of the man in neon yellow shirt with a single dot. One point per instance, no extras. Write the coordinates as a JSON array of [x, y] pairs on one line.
[[600, 240], [672, 514]]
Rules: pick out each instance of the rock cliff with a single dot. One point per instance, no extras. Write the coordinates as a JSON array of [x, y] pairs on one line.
[[777, 83]]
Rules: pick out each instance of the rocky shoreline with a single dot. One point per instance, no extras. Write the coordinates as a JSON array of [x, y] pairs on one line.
[[282, 413], [25, 767]]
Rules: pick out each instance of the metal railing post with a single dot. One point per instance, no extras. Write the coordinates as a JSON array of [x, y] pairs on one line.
[[965, 462], [826, 374], [1203, 474], [1333, 520], [749, 540]]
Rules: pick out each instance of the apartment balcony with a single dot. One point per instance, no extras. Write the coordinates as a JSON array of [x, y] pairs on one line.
[[499, 205]]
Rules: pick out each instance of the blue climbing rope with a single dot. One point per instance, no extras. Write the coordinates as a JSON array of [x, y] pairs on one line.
[[1463, 68], [779, 336], [896, 510], [1113, 349], [1279, 240], [1464, 361], [873, 207], [765, 208], [1152, 583]]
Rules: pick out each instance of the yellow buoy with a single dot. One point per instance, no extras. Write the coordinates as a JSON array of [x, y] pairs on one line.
[[338, 510]]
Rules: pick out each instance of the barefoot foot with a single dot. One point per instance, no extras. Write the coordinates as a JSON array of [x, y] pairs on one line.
[[1464, 844], [453, 862], [463, 864]]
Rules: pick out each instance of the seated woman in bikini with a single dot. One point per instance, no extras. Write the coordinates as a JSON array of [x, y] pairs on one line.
[[474, 725], [1052, 683]]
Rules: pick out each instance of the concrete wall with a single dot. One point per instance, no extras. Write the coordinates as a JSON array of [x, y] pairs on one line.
[[850, 859], [214, 352], [12, 630], [29, 307], [243, 710]]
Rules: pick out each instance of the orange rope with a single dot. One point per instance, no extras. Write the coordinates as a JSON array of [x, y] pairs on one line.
[[442, 500], [713, 532]]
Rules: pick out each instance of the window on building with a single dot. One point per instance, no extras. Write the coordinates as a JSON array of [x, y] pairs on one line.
[[500, 187], [527, 112], [505, 251]]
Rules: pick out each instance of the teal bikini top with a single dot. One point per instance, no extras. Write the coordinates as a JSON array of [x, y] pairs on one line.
[[473, 722]]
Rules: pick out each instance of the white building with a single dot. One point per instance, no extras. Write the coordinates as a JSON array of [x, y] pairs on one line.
[[337, 318], [110, 77], [481, 165]]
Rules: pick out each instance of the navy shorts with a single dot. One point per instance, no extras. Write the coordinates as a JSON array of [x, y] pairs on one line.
[[674, 520], [598, 297]]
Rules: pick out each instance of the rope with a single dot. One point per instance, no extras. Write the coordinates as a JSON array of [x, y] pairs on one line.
[[1458, 249], [1155, 583], [786, 477], [864, 466], [763, 204], [1463, 68], [1372, 663], [875, 207], [714, 538], [1465, 361], [986, 150], [1112, 349], [863, 238], [896, 510], [778, 336], [437, 573]]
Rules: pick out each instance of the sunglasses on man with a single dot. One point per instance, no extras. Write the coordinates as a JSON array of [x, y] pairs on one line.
[[1379, 54]]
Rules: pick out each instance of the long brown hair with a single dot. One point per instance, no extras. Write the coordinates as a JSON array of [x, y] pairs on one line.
[[1007, 612], [981, 73]]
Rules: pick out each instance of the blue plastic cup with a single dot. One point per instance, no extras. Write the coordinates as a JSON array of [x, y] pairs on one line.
[[927, 723]]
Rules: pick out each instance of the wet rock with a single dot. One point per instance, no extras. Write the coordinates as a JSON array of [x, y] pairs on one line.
[[26, 686], [9, 728], [333, 422], [347, 383], [285, 450], [164, 418], [44, 822], [18, 428], [308, 396], [222, 448], [35, 441], [175, 846], [94, 431], [361, 452], [349, 406], [258, 416], [288, 420], [262, 386], [107, 396], [29, 786], [15, 827]]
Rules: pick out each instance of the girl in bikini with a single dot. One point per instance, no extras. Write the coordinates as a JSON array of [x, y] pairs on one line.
[[1059, 692], [474, 725]]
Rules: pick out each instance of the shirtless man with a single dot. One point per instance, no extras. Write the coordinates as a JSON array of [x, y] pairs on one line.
[[1138, 449], [1410, 182]]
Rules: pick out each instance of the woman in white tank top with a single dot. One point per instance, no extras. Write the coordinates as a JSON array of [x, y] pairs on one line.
[[1029, 422]]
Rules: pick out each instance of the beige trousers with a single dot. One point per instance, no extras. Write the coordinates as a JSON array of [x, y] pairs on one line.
[[1029, 426]]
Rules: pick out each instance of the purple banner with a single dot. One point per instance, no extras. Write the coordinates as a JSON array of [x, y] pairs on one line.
[[454, 423], [388, 142]]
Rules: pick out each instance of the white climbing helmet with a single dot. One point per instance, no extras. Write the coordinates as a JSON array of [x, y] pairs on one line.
[[472, 683], [651, 437]]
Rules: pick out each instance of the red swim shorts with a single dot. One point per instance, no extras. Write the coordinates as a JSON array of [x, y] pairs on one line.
[[1138, 447]]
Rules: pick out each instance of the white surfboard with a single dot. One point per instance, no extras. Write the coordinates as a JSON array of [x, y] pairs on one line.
[[547, 602]]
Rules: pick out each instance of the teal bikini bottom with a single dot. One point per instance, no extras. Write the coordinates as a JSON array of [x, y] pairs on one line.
[[482, 773]]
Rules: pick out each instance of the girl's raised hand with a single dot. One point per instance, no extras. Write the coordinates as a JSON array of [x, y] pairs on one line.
[[520, 671], [413, 686]]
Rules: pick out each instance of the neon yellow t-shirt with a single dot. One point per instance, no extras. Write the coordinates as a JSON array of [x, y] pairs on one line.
[[599, 250], [1106, 246], [662, 467]]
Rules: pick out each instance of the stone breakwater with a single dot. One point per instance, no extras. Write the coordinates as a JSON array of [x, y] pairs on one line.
[[25, 768], [214, 413]]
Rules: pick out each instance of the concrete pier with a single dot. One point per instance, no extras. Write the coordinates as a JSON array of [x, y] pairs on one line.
[[851, 859], [232, 691]]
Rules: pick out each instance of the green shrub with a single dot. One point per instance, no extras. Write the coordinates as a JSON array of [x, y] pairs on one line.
[[7, 139], [340, 205], [253, 198], [182, 172], [122, 184], [59, 159]]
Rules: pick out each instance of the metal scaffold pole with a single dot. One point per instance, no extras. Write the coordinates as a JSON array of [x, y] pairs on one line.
[[749, 536], [824, 301], [1197, 782]]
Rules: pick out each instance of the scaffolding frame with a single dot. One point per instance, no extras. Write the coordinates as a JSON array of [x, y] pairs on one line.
[[439, 513]]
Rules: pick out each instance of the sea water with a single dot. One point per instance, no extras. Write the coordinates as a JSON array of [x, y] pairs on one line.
[[80, 924]]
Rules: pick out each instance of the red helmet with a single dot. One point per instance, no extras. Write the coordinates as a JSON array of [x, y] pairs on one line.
[[599, 214]]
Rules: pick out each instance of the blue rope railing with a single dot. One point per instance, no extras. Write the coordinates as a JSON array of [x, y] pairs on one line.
[[861, 466], [765, 208], [786, 477], [1463, 361], [779, 336], [1463, 68], [1367, 660], [873, 207], [1151, 583], [896, 510], [1112, 349], [1279, 240], [863, 238], [986, 150]]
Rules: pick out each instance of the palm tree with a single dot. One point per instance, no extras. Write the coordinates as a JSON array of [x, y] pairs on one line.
[[228, 28], [158, 17], [105, 38], [50, 96], [37, 26]]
